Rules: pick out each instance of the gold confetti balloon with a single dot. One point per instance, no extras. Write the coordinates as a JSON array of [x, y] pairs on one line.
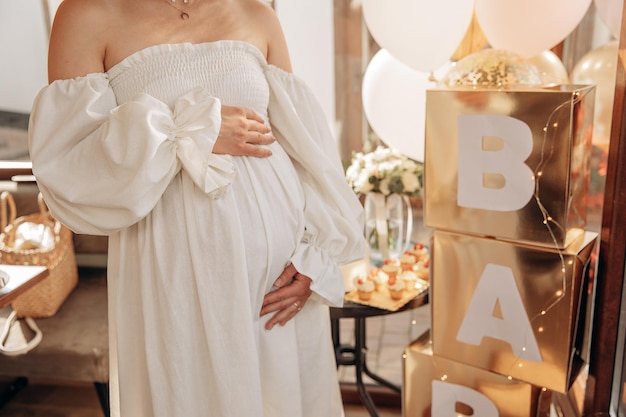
[[492, 68]]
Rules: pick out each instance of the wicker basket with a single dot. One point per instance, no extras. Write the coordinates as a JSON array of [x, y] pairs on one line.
[[46, 297]]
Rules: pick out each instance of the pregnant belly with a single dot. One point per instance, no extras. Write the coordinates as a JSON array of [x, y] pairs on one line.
[[270, 206]]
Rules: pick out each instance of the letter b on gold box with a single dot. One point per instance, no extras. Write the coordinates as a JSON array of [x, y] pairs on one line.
[[511, 164]]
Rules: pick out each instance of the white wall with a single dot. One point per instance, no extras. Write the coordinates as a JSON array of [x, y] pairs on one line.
[[23, 53], [309, 29]]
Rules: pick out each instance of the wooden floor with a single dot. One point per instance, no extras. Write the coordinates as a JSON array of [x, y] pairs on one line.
[[47, 399]]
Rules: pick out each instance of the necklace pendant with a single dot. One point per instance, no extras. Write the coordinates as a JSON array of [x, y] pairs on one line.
[[184, 15]]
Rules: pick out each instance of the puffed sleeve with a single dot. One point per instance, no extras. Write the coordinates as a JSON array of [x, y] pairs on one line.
[[102, 167], [333, 213]]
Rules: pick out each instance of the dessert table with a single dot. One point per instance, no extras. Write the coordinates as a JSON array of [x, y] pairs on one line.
[[356, 355]]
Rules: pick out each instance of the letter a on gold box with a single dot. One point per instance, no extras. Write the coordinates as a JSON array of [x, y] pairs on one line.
[[513, 309], [438, 387], [511, 164]]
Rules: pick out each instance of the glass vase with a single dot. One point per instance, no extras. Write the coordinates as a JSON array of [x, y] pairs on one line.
[[388, 225]]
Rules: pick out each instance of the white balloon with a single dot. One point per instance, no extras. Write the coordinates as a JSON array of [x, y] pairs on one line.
[[528, 27], [599, 67], [422, 34], [394, 102], [610, 11]]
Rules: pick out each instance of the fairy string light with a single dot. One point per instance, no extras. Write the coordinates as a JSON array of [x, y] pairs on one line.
[[550, 131]]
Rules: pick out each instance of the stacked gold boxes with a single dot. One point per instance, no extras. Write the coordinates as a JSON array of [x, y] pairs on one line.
[[506, 183]]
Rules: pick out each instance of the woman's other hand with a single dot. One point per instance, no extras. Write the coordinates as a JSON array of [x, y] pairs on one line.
[[293, 290], [242, 133]]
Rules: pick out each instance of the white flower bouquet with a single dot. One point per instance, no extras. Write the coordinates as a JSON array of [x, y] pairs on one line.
[[385, 171]]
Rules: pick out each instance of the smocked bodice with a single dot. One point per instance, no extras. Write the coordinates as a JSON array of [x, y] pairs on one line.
[[229, 70]]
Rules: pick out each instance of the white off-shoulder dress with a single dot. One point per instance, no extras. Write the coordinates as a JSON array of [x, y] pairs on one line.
[[196, 239]]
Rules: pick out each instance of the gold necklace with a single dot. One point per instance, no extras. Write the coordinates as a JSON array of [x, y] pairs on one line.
[[183, 14]]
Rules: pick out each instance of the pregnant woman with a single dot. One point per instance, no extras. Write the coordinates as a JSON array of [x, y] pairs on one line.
[[176, 128]]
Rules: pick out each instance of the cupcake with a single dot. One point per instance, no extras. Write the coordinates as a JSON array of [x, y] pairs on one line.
[[396, 288], [407, 262], [409, 278], [379, 278], [423, 269], [419, 251], [364, 288], [391, 270]]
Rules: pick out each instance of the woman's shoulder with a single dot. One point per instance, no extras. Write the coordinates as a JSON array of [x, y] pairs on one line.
[[258, 13], [266, 22], [91, 18], [257, 6], [79, 36], [86, 12]]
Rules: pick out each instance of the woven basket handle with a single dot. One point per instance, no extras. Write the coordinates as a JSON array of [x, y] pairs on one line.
[[8, 212], [43, 207], [45, 214]]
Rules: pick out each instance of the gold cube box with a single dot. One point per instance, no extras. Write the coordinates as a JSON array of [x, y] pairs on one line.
[[511, 164], [458, 387], [518, 310]]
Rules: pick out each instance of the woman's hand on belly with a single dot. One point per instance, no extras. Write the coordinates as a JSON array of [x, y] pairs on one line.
[[293, 290], [242, 132]]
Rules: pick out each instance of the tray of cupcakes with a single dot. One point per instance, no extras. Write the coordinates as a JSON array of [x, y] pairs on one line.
[[395, 283]]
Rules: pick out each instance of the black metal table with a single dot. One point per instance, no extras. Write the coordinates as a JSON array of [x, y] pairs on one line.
[[356, 355]]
